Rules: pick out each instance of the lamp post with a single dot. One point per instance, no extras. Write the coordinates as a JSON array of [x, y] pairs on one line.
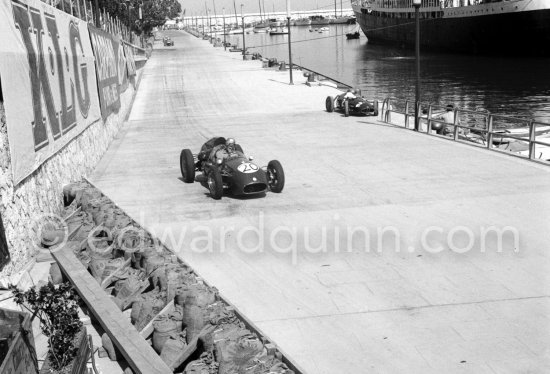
[[289, 38], [224, 44], [244, 43], [129, 22], [417, 4]]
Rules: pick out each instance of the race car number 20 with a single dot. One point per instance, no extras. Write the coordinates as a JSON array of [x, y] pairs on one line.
[[247, 167]]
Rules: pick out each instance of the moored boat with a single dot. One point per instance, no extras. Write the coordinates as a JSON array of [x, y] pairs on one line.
[[274, 23], [279, 31], [519, 27], [302, 22], [319, 20]]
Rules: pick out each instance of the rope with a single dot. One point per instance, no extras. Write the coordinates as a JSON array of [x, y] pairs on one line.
[[335, 36]]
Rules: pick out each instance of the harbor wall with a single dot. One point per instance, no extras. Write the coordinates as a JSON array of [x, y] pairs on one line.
[[29, 191]]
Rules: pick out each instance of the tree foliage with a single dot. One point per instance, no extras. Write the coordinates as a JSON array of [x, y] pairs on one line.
[[154, 12], [57, 309]]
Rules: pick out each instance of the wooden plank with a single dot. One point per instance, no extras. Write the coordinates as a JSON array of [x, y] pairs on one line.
[[192, 346], [107, 281], [148, 329], [77, 210], [139, 355]]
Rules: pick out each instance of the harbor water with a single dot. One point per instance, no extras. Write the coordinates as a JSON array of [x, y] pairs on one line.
[[517, 87]]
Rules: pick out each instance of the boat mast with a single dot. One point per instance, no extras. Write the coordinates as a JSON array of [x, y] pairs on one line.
[[341, 9], [236, 20], [260, 4], [215, 15], [335, 11]]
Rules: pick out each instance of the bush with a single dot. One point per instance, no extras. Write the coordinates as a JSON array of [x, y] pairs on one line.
[[57, 309]]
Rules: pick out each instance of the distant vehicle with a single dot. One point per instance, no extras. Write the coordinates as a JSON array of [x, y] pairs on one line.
[[233, 173], [351, 105], [168, 42]]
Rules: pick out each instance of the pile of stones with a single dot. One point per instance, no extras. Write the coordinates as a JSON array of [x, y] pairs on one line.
[[185, 320]]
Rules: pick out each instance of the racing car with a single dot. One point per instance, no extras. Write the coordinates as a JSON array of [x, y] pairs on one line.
[[168, 42], [235, 174], [351, 105]]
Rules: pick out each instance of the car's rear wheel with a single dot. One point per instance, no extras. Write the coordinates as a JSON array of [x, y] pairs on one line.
[[346, 108], [275, 176], [215, 183], [375, 105], [187, 166], [329, 104]]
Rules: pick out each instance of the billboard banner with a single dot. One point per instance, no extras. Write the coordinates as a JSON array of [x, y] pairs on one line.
[[130, 60], [48, 81], [109, 79]]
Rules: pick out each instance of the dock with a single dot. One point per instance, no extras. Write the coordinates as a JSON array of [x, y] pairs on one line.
[[388, 251]]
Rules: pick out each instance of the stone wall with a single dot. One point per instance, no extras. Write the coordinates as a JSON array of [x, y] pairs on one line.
[[42, 191]]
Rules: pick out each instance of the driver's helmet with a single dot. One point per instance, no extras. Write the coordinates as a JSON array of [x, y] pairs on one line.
[[230, 144]]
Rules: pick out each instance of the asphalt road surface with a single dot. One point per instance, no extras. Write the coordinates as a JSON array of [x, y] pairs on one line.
[[380, 256]]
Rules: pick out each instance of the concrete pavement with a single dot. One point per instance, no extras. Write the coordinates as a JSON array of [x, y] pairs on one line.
[[382, 254]]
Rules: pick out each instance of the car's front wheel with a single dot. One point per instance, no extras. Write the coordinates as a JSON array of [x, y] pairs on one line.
[[329, 104], [275, 176], [187, 166], [215, 183]]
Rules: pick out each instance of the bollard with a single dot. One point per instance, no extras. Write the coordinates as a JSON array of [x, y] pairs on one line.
[[282, 66]]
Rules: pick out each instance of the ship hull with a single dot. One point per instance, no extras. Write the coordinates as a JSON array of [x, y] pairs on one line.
[[525, 33]]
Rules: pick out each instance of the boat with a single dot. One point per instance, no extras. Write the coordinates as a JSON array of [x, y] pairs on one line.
[[274, 23], [353, 35], [279, 31], [263, 25], [302, 22], [343, 20], [491, 27], [518, 132], [319, 20], [323, 29], [258, 30]]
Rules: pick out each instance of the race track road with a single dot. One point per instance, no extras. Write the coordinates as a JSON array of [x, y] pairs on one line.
[[378, 257]]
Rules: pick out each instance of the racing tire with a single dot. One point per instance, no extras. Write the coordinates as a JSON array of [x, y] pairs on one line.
[[375, 105], [275, 176], [346, 108], [329, 104], [215, 183], [187, 166]]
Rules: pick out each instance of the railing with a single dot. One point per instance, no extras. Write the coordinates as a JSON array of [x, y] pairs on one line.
[[518, 136], [141, 52]]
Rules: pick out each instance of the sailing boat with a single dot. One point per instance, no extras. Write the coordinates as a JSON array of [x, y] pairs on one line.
[[263, 25], [342, 19]]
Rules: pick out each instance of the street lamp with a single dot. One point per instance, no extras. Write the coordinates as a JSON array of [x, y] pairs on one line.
[[289, 38], [224, 44], [244, 43], [417, 4]]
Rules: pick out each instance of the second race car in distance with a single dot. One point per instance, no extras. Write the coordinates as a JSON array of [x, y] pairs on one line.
[[349, 103]]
